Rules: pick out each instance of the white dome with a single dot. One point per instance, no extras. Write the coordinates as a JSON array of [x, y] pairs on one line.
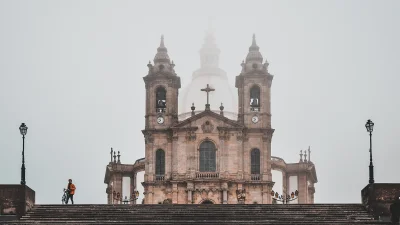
[[217, 80]]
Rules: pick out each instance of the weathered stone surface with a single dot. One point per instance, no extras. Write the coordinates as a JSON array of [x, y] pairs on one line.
[[16, 199], [378, 198]]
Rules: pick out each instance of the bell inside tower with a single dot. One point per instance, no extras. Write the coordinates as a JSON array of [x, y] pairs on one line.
[[161, 100], [255, 99]]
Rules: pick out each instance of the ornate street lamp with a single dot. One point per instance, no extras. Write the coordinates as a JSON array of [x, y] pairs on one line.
[[285, 199], [370, 127], [23, 129]]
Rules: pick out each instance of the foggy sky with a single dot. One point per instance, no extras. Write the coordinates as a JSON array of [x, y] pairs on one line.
[[72, 71]]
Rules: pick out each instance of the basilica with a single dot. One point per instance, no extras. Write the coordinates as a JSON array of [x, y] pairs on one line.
[[210, 143]]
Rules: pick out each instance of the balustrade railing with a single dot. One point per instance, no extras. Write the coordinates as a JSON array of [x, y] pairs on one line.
[[255, 109], [207, 175], [255, 177], [161, 110], [160, 177]]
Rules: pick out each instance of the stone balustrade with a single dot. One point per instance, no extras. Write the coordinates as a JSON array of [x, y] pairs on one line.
[[160, 177], [255, 177], [207, 175]]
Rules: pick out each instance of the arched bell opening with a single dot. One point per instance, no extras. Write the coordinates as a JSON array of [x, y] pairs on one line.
[[161, 99], [255, 98]]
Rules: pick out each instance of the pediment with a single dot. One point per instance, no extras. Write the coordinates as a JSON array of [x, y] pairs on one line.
[[216, 121]]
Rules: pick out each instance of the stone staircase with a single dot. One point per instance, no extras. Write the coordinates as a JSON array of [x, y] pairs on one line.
[[198, 214]]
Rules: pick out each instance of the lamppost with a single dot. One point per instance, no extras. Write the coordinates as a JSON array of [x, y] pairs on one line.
[[23, 129], [370, 127]]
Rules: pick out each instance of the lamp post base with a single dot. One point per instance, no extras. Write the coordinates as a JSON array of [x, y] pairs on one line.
[[23, 182]]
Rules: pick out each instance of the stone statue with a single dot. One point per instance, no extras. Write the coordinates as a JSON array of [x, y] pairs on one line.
[[241, 196]]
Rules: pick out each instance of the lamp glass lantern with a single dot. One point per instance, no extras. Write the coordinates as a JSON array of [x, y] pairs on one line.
[[23, 129], [370, 126]]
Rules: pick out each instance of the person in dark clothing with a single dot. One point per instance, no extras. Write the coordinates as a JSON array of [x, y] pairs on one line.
[[71, 191], [395, 211]]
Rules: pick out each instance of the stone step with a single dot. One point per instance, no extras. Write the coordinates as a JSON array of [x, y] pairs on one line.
[[222, 222], [198, 214]]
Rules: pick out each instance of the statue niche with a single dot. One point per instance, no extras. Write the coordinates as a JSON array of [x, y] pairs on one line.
[[207, 127]]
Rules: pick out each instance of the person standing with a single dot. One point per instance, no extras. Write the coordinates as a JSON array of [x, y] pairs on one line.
[[71, 191]]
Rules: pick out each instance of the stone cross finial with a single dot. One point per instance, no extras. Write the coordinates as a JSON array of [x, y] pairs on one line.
[[222, 110], [305, 156], [309, 154], [111, 154], [192, 108], [208, 90], [115, 158], [301, 155], [119, 161]]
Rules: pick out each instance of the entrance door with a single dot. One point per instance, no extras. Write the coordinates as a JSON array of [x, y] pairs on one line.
[[207, 202]]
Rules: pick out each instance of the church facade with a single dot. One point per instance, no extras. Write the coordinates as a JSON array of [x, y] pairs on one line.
[[208, 158]]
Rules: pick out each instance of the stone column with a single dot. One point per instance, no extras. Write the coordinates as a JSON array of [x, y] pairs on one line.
[[224, 196], [240, 159], [150, 194], [284, 183], [302, 187], [221, 165], [266, 194], [133, 187], [168, 158], [109, 193], [116, 186], [311, 191], [149, 171], [190, 200], [225, 193], [174, 156], [174, 193], [243, 157], [119, 186], [190, 192], [266, 160]]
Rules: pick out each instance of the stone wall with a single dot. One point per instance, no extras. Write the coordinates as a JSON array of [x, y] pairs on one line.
[[377, 198], [16, 199]]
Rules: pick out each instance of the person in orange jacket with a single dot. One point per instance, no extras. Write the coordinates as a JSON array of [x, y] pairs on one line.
[[71, 191]]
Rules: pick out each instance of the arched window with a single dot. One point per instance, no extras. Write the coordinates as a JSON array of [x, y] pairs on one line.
[[255, 161], [160, 162], [161, 99], [207, 157], [255, 96]]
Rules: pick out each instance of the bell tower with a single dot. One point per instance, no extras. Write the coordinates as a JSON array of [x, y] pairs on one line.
[[254, 90], [254, 113], [162, 85]]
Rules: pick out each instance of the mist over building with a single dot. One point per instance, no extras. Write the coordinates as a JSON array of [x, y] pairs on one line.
[[209, 73]]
